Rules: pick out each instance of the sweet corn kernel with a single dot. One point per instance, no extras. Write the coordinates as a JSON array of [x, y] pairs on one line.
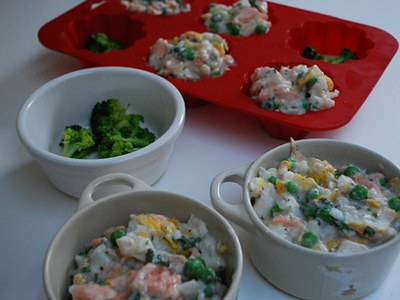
[[222, 249], [329, 82], [220, 48], [285, 164], [332, 196], [356, 241], [372, 203], [333, 244], [280, 187], [309, 75], [394, 185]]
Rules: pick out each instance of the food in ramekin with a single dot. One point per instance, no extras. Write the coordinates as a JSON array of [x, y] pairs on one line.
[[168, 7], [243, 18], [155, 257], [191, 56], [309, 202], [294, 90]]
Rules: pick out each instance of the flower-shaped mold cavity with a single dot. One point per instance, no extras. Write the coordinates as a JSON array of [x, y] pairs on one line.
[[118, 26], [329, 38]]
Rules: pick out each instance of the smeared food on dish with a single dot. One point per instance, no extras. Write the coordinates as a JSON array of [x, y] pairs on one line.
[[155, 7], [191, 56], [155, 257], [293, 91], [243, 18], [309, 202]]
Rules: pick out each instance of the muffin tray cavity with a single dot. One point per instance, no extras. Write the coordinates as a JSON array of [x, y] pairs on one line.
[[292, 30]]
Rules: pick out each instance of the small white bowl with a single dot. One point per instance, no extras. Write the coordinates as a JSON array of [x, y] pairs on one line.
[[69, 99], [303, 272], [114, 210]]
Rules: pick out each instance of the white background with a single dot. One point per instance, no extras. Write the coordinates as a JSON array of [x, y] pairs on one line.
[[213, 140]]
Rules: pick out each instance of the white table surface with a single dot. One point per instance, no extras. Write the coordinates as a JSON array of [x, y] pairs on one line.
[[213, 140]]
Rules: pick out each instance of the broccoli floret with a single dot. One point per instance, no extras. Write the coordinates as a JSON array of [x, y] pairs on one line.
[[345, 55], [115, 45], [107, 115], [310, 53], [114, 144], [117, 133], [100, 43], [78, 142]]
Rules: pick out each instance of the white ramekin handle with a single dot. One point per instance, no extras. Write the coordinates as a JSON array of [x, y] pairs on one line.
[[236, 213], [111, 180]]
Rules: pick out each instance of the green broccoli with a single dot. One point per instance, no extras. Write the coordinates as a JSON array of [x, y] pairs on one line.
[[310, 53], [114, 144], [116, 132], [100, 43], [78, 142]]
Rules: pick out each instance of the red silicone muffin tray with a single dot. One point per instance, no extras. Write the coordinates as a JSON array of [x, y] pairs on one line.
[[292, 30]]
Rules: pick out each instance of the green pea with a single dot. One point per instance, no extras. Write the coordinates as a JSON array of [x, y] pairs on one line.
[[359, 192], [309, 239], [394, 204], [193, 266], [214, 27], [272, 179], [350, 171], [382, 182], [326, 202], [261, 28], [207, 275], [233, 29], [291, 187], [312, 194], [311, 82], [291, 160], [116, 234], [308, 210], [324, 214], [216, 18], [189, 54], [275, 210]]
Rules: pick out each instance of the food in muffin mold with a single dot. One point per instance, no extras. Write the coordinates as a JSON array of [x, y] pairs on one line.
[[293, 91], [191, 56], [241, 19], [154, 7]]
